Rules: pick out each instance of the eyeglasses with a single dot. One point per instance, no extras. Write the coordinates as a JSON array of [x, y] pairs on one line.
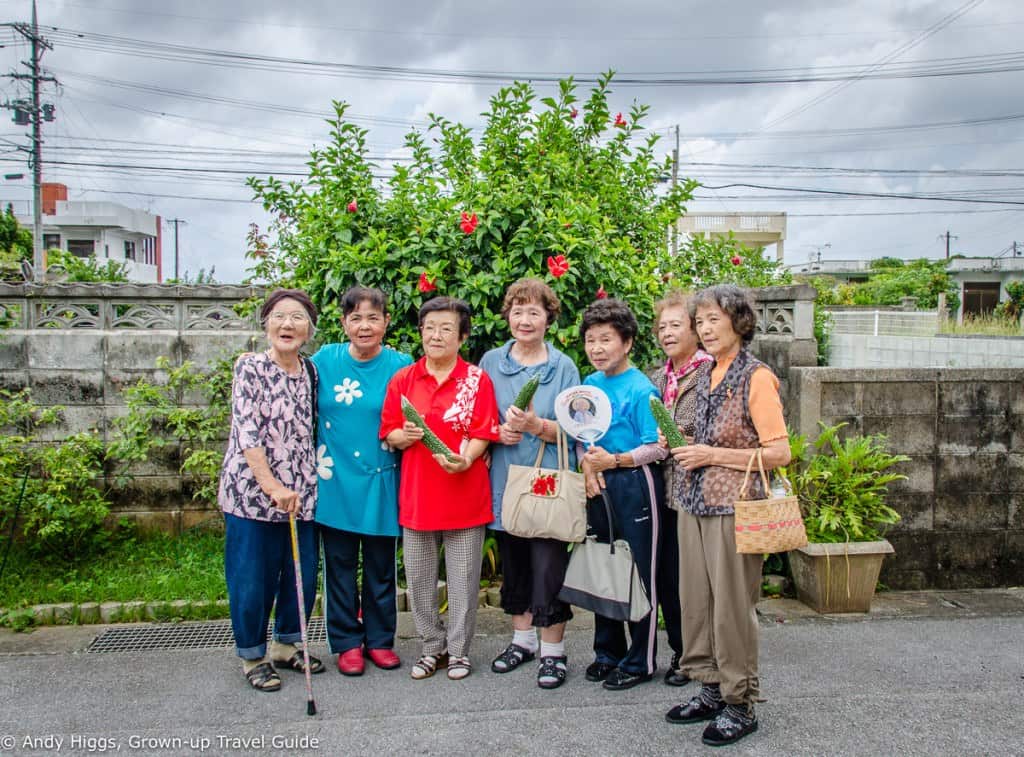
[[295, 318], [446, 331]]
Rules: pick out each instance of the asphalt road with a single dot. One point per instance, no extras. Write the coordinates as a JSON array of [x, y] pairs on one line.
[[885, 685]]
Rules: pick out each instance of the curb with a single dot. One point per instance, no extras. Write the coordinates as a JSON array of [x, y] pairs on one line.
[[89, 613]]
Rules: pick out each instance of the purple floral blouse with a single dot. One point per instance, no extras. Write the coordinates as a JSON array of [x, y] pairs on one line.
[[272, 410]]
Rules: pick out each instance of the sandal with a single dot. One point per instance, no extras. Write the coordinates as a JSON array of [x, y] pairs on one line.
[[264, 678], [459, 668], [427, 665], [513, 656], [552, 672], [296, 663]]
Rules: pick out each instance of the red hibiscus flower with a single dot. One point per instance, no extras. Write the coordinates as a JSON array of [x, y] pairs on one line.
[[468, 222], [353, 207], [574, 113], [558, 265], [601, 294], [735, 260], [426, 285], [620, 121]]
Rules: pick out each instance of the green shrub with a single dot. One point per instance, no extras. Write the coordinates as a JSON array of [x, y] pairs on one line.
[[842, 485], [58, 484], [555, 188], [157, 418]]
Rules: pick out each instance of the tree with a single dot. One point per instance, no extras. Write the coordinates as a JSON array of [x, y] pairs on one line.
[[559, 192], [923, 279], [15, 246]]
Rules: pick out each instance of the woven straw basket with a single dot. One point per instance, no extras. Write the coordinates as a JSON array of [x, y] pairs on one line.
[[768, 525]]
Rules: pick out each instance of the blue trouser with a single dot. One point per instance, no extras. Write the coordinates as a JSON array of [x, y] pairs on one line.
[[260, 573], [668, 577], [342, 598], [634, 493]]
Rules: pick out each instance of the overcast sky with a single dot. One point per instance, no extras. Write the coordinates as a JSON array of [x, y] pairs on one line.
[[126, 99]]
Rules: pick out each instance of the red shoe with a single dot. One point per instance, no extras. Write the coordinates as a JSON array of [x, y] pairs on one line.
[[350, 662], [385, 659]]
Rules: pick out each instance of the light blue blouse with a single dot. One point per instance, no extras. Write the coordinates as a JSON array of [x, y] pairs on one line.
[[509, 376]]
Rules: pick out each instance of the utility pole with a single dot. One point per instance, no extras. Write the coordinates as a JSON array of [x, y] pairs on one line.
[[176, 222], [675, 181], [35, 116], [947, 236]]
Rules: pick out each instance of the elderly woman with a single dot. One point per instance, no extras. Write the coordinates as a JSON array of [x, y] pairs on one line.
[[443, 501], [533, 569], [269, 473], [621, 464], [357, 505], [677, 382], [738, 413]]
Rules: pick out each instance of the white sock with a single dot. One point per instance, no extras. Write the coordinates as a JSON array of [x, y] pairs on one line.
[[552, 649], [525, 639]]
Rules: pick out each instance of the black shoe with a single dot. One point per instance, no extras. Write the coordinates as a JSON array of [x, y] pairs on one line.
[[694, 711], [598, 671], [620, 680], [674, 676], [731, 725]]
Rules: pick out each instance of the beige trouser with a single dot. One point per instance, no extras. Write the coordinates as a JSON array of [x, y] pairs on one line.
[[463, 555], [718, 590]]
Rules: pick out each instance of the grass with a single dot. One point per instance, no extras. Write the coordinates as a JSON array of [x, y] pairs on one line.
[[985, 325], [150, 568]]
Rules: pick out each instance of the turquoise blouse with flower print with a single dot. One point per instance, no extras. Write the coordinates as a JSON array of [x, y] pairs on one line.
[[357, 472]]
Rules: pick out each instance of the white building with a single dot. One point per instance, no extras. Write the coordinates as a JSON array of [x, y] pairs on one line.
[[106, 230]]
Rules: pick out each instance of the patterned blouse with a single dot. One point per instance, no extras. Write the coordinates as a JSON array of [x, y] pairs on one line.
[[684, 413], [723, 420], [272, 410]]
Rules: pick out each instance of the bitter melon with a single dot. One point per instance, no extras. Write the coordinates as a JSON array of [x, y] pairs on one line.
[[667, 425], [430, 439]]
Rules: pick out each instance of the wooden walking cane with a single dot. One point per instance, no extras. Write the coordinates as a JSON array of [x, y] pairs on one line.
[[310, 703]]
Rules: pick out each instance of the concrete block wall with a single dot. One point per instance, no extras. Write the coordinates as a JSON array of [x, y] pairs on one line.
[[86, 366], [946, 351], [963, 430]]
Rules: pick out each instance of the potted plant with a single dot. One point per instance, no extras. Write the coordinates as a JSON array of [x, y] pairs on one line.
[[841, 484]]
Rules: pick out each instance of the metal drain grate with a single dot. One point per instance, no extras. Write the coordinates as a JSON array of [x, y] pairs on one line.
[[216, 633]]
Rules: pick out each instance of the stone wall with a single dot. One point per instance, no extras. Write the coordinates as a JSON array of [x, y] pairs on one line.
[[963, 500], [79, 345]]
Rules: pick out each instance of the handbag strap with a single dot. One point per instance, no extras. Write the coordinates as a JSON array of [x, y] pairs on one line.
[[563, 451], [757, 454], [606, 498]]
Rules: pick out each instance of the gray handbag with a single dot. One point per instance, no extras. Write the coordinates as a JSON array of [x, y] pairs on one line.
[[603, 577]]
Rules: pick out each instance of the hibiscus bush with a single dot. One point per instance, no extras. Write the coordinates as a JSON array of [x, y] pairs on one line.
[[555, 187]]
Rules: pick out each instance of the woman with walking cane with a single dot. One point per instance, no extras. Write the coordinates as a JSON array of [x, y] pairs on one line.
[[268, 477]]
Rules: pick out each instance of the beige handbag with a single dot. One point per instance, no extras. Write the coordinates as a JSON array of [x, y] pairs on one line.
[[545, 503], [768, 525]]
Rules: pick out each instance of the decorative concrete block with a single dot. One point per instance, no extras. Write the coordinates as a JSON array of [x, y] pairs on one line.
[[132, 350], [899, 398], [970, 511], [67, 387], [906, 434]]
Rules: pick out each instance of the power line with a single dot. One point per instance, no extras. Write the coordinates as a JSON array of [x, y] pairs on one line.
[[942, 67]]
